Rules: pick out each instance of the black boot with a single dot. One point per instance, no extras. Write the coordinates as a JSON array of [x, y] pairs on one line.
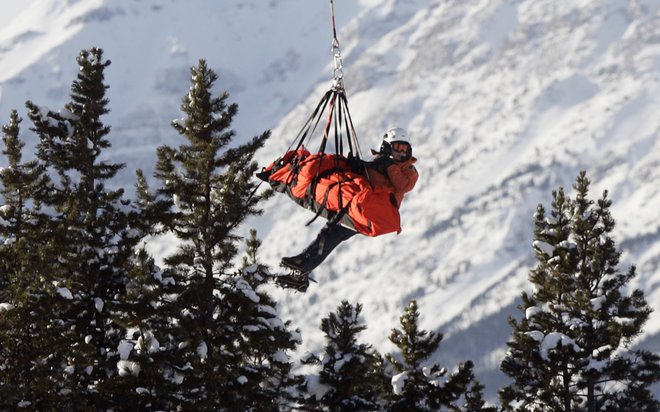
[[297, 281]]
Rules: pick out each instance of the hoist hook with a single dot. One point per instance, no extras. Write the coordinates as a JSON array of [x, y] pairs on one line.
[[338, 72]]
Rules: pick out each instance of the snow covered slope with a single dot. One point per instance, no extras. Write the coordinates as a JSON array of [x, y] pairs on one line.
[[506, 100], [267, 63]]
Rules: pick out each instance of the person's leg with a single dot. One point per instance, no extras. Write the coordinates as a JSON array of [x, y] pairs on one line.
[[326, 241]]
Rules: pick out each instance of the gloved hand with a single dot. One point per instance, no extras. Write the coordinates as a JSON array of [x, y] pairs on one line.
[[381, 163], [356, 164]]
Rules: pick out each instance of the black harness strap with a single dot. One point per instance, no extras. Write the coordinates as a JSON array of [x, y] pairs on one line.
[[307, 129]]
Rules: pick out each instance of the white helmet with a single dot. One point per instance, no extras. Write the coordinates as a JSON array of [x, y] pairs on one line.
[[396, 145], [396, 134]]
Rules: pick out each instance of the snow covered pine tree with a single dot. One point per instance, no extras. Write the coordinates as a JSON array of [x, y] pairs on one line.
[[570, 351], [23, 185], [145, 357], [24, 301], [417, 387], [83, 248], [352, 376], [265, 377], [231, 347]]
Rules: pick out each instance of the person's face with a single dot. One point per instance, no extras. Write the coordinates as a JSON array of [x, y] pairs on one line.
[[401, 151]]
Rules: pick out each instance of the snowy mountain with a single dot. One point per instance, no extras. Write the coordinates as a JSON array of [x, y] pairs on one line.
[[506, 100]]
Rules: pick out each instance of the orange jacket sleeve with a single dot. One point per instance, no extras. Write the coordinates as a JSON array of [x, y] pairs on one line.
[[403, 176]]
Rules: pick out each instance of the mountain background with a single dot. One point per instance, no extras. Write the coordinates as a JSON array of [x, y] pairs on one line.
[[505, 100]]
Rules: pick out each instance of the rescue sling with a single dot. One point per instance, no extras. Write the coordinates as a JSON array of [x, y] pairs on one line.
[[328, 184]]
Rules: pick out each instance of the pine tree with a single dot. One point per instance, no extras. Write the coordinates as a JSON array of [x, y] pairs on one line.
[[209, 191], [23, 185], [263, 378], [417, 387], [25, 369], [353, 373], [143, 310], [90, 239], [570, 352]]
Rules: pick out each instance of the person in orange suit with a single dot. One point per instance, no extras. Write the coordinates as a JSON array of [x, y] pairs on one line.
[[392, 169]]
